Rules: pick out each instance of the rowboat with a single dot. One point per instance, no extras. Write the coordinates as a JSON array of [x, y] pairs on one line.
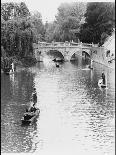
[[57, 65], [100, 84], [90, 67], [30, 117], [103, 86], [57, 60]]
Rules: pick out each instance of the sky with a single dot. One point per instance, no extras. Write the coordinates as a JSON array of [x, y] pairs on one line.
[[47, 8]]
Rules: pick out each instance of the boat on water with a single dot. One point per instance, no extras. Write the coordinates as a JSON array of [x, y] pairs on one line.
[[30, 117], [111, 64], [57, 60], [100, 83], [57, 65], [89, 67], [8, 71]]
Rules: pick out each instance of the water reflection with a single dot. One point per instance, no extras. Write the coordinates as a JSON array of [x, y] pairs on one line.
[[76, 116]]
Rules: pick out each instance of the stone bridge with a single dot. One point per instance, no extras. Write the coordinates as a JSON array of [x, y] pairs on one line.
[[68, 50]]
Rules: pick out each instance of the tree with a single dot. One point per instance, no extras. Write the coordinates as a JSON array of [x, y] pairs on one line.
[[49, 34], [69, 18], [17, 30], [36, 20], [6, 10], [24, 11], [67, 23], [99, 18], [11, 10]]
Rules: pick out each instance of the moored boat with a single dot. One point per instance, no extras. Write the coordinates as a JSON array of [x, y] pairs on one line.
[[6, 71], [100, 84], [103, 86], [88, 66], [57, 65], [57, 60]]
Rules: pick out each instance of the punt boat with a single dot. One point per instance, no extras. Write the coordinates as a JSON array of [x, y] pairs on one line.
[[100, 84]]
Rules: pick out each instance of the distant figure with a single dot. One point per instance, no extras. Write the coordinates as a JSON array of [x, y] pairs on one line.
[[90, 66], [54, 60], [33, 109], [103, 78], [26, 110], [27, 116], [57, 65], [91, 63], [12, 67], [34, 96]]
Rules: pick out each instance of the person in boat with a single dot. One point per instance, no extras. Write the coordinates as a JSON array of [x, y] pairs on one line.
[[27, 116], [33, 108], [34, 96], [103, 78], [57, 65]]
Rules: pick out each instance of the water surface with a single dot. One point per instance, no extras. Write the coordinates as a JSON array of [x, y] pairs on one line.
[[77, 117]]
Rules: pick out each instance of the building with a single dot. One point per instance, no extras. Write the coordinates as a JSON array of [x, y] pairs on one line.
[[109, 45]]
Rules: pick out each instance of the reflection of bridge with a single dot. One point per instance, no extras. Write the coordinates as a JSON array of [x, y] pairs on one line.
[[68, 50]]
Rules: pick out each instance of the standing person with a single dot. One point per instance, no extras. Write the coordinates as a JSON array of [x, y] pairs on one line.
[[12, 66], [34, 96], [91, 63], [103, 78]]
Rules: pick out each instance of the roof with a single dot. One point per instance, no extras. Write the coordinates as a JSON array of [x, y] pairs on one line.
[[110, 43]]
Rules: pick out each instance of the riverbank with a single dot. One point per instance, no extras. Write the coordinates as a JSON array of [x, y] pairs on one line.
[[25, 61]]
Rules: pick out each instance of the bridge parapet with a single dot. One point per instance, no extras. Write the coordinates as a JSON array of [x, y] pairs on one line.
[[65, 44], [67, 49]]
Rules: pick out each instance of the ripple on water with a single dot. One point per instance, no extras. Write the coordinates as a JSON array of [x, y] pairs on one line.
[[76, 116]]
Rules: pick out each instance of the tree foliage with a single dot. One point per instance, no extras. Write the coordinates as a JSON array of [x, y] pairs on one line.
[[100, 18], [19, 29], [36, 20], [67, 22], [90, 22], [12, 10]]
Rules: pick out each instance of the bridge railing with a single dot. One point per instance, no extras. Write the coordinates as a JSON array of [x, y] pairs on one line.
[[58, 44], [43, 44], [90, 45]]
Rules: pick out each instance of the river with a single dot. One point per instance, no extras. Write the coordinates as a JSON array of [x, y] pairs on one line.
[[76, 116]]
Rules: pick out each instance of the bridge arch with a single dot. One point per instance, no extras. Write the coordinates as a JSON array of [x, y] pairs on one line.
[[79, 52], [74, 51], [66, 52], [86, 54], [56, 53]]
